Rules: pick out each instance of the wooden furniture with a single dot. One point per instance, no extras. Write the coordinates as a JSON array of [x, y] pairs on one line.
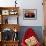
[[44, 9], [5, 24], [11, 26], [6, 12]]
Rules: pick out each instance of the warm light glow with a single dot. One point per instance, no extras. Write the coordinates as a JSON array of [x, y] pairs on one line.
[[12, 10], [15, 30]]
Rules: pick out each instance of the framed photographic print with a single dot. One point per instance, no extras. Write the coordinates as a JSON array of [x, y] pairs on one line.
[[13, 12], [29, 14], [5, 12]]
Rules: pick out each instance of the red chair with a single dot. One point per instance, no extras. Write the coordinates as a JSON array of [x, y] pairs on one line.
[[29, 33]]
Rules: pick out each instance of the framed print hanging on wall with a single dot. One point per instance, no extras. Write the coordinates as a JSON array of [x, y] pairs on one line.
[[29, 14]]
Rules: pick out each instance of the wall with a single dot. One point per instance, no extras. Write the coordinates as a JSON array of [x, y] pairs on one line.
[[31, 4], [25, 4]]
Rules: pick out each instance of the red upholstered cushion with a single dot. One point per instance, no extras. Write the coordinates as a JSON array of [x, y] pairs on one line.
[[28, 33]]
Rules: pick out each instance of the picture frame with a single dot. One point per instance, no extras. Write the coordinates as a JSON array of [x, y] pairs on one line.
[[29, 14], [5, 12], [13, 12]]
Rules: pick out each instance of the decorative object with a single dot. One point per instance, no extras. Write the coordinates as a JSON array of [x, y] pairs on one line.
[[13, 12], [29, 14], [15, 3], [5, 12]]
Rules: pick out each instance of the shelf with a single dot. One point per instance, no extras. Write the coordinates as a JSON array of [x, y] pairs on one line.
[[6, 12], [11, 26], [11, 41], [7, 16], [9, 10]]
